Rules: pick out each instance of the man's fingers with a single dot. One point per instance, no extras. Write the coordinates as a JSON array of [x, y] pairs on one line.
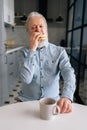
[[65, 105]]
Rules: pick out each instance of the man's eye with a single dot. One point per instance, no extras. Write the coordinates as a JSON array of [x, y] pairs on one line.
[[41, 26], [32, 28]]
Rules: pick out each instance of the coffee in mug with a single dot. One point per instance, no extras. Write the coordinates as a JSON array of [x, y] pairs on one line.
[[48, 107]]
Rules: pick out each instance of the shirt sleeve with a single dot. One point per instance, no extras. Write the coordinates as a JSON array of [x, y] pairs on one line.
[[68, 75], [27, 65]]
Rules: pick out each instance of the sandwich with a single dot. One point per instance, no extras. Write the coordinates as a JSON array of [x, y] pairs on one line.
[[43, 37]]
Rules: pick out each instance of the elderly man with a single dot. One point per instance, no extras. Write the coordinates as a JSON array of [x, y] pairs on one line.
[[41, 64]]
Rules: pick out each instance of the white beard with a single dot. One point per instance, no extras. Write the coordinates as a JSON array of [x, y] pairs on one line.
[[42, 43]]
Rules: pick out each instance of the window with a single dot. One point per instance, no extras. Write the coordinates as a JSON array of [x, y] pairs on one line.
[[77, 41]]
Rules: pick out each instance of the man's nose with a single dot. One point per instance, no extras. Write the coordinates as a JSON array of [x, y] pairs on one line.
[[37, 29]]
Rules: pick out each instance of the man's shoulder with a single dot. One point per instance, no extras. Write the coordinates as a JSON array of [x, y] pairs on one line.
[[58, 47], [24, 49]]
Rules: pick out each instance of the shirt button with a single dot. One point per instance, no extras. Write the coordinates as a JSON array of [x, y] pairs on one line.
[[41, 59], [41, 86], [41, 76], [40, 73]]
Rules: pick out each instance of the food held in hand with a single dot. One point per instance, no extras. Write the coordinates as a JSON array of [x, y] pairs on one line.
[[43, 37]]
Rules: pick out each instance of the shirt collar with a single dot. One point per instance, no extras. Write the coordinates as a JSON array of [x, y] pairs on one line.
[[45, 46]]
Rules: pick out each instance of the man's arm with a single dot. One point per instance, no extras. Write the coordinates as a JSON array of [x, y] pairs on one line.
[[27, 65], [68, 90]]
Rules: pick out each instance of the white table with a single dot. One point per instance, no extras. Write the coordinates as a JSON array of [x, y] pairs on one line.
[[25, 116]]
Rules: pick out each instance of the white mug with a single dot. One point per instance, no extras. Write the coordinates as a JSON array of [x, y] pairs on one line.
[[48, 108]]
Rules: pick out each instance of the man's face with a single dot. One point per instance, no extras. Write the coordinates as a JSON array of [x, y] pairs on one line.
[[37, 25]]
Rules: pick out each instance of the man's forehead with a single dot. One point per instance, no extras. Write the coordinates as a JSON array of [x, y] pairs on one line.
[[36, 19]]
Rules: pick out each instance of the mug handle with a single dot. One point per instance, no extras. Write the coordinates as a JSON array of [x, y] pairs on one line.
[[54, 110]]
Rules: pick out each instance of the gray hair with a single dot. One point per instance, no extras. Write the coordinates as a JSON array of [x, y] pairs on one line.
[[33, 14]]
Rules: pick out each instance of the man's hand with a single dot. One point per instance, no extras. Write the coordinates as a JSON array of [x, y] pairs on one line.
[[65, 105], [34, 40]]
